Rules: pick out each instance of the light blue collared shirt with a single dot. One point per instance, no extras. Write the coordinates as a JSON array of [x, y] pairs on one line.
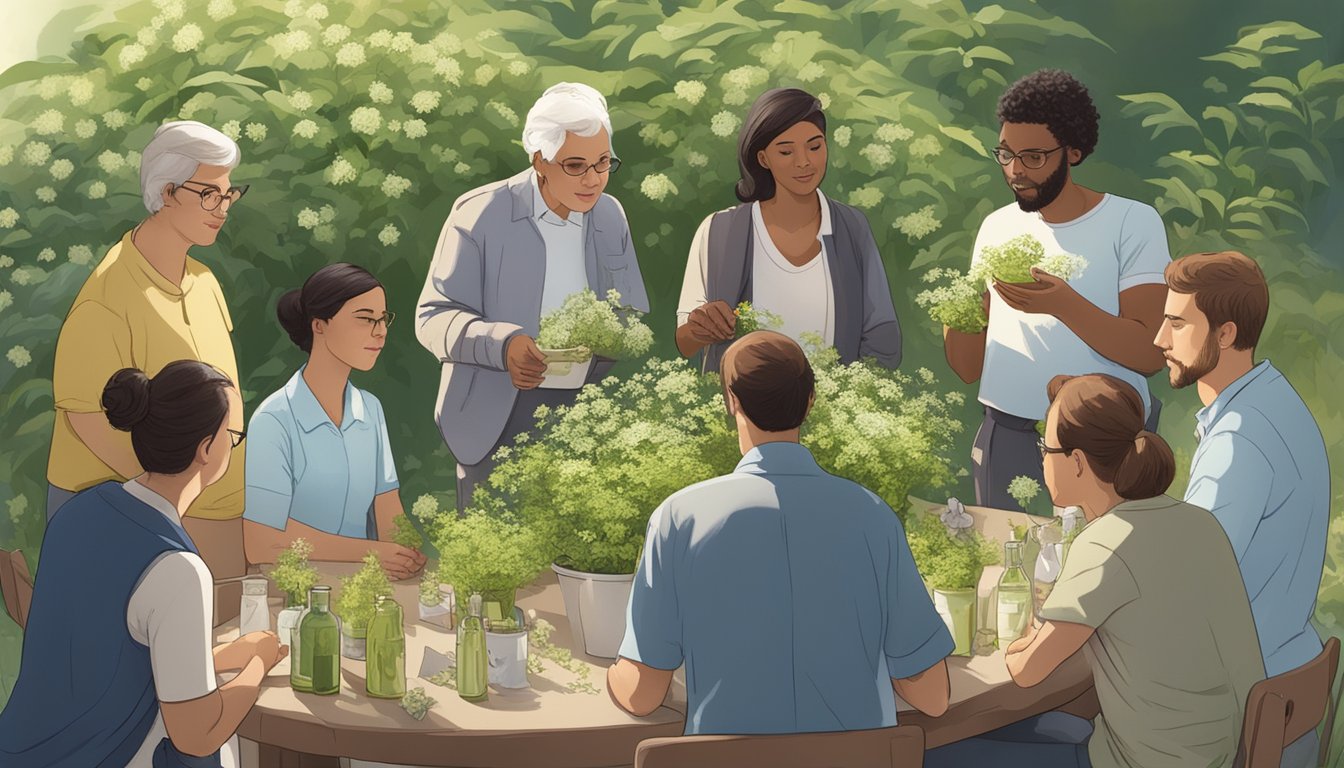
[[1261, 469], [300, 466], [791, 596]]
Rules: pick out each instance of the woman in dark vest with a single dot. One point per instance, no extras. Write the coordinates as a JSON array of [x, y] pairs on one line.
[[788, 249], [118, 656]]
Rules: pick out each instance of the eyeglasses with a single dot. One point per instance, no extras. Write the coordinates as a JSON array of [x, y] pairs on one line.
[[579, 168], [374, 322], [212, 198], [1031, 158], [1040, 443], [237, 436]]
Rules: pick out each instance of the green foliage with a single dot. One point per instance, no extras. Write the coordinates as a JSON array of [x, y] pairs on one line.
[[417, 703], [406, 534], [480, 553], [430, 594], [949, 561], [359, 594], [1024, 490], [539, 638], [751, 319], [292, 574], [606, 328]]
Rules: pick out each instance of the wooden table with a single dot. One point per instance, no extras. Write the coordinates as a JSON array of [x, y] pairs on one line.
[[547, 725]]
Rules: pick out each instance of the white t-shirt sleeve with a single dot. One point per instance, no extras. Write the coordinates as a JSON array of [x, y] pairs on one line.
[[170, 613], [1142, 247], [695, 283]]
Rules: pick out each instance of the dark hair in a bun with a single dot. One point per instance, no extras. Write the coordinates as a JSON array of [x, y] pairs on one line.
[[169, 415], [1102, 416], [321, 297]]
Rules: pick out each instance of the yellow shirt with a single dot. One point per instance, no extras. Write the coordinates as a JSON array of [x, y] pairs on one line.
[[128, 315]]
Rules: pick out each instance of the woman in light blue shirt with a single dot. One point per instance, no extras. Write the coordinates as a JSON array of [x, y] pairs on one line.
[[319, 462]]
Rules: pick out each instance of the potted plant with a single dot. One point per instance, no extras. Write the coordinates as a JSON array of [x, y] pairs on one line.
[[436, 602], [951, 563], [294, 577], [585, 327], [356, 604]]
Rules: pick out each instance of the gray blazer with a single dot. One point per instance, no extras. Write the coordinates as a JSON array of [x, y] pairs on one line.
[[484, 287]]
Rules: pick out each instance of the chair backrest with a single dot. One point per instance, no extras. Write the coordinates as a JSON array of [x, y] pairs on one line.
[[898, 747], [1284, 708], [16, 585]]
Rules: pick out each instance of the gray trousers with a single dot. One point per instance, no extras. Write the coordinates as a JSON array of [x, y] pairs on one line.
[[521, 419], [1005, 447]]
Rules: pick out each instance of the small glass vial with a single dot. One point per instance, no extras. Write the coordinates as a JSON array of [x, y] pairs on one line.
[[473, 665], [1014, 601], [254, 613]]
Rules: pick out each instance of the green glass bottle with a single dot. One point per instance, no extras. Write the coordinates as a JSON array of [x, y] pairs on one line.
[[300, 677], [473, 666], [1014, 603], [320, 640], [385, 658]]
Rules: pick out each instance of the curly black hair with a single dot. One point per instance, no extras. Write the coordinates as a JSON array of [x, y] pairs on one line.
[[1056, 99]]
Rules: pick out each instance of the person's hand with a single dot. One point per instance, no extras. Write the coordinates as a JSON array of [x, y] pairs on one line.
[[399, 562], [712, 323], [1019, 645], [525, 364], [265, 646], [1048, 295]]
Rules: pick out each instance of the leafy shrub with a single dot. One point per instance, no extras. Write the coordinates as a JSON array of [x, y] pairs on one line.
[[406, 534], [949, 561], [490, 555], [359, 594], [292, 574]]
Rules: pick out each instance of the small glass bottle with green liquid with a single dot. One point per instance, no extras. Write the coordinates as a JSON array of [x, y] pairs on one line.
[[473, 666], [319, 667], [385, 660], [1014, 602]]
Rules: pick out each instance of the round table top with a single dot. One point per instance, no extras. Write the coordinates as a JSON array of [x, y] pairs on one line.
[[548, 723]]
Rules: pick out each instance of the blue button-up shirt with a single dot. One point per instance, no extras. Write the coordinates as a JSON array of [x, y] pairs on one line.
[[301, 466], [1261, 469], [791, 596]]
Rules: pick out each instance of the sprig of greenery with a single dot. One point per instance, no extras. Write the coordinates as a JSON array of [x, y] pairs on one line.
[[947, 561], [750, 319], [292, 574], [356, 603], [487, 554], [1024, 490], [406, 535], [417, 703], [430, 594], [607, 328], [539, 638]]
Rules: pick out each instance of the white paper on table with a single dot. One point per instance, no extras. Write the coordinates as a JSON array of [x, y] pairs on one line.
[[434, 662]]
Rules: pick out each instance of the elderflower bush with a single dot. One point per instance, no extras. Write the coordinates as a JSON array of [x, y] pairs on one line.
[[605, 328]]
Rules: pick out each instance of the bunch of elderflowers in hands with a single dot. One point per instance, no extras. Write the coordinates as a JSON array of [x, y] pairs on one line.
[[955, 301], [604, 328]]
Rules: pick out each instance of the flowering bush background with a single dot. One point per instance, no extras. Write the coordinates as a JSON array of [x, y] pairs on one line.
[[361, 122]]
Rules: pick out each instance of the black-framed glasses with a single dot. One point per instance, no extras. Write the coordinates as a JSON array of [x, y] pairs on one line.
[[385, 320], [237, 436], [212, 197], [577, 167], [1040, 443], [1031, 158]]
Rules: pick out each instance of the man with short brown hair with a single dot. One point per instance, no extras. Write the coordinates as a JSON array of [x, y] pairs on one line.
[[1261, 466], [791, 594]]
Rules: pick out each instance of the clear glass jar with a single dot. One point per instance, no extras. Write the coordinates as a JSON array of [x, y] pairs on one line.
[[254, 613]]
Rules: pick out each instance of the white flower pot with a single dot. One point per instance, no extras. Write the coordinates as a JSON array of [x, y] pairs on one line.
[[564, 374], [595, 606], [353, 647], [507, 653]]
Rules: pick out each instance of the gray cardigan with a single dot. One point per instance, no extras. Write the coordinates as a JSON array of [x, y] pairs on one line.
[[484, 287]]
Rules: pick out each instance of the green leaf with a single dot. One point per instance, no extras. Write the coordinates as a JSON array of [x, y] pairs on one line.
[[988, 52], [1238, 59], [1254, 38], [966, 137], [1303, 162], [1213, 197], [28, 71], [213, 78], [1225, 116], [1278, 84], [1160, 109], [1269, 100], [989, 14]]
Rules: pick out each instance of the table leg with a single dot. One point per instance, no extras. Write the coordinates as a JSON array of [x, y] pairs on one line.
[[269, 756]]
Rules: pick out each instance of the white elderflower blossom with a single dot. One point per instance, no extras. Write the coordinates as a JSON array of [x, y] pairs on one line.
[[350, 55], [131, 55], [294, 9], [811, 71], [335, 34], [379, 93], [318, 12], [381, 39], [47, 254], [880, 155], [46, 194], [49, 122], [366, 120], [110, 162], [36, 153], [8, 218], [290, 43], [20, 276], [919, 224], [843, 134], [424, 53], [233, 129], [326, 214], [301, 101], [484, 74], [449, 70], [144, 83], [81, 91], [825, 100], [6, 155], [394, 126], [52, 86], [256, 131], [172, 10], [735, 97], [389, 235], [462, 169], [133, 159], [425, 101], [865, 197], [415, 129], [696, 160], [218, 10], [341, 172], [925, 146], [79, 254], [6, 300], [657, 186], [324, 233], [116, 119], [448, 43], [744, 78], [188, 38], [690, 91], [19, 356], [308, 218], [395, 186], [402, 42], [6, 262], [85, 129], [195, 103], [724, 124], [519, 68], [146, 37], [97, 190], [305, 129], [890, 132], [61, 169], [505, 112]]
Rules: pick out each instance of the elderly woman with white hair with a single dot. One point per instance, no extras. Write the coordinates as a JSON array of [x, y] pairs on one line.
[[148, 304], [510, 252]]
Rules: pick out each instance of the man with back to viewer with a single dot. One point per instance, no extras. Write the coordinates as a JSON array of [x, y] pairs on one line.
[[790, 594]]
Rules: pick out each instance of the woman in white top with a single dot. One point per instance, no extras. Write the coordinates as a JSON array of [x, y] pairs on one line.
[[787, 249]]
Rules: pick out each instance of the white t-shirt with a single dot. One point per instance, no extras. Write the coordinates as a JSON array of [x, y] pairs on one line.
[[803, 297], [566, 270], [1124, 244], [170, 613]]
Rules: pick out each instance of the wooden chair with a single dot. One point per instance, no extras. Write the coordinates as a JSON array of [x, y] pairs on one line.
[[899, 747], [16, 585], [1286, 707]]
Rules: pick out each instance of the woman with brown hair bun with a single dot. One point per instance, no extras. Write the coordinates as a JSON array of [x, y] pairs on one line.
[[1150, 589]]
